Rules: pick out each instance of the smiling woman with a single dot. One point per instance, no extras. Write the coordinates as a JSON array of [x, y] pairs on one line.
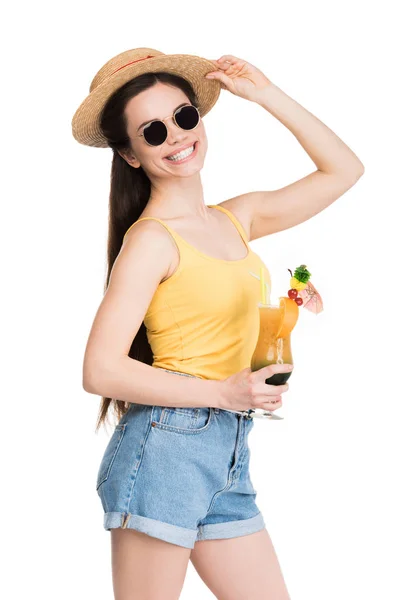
[[160, 136], [166, 351]]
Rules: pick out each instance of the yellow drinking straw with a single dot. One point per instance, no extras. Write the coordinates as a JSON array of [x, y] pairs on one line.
[[262, 285]]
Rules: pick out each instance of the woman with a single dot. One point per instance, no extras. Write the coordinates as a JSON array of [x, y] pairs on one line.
[[174, 479]]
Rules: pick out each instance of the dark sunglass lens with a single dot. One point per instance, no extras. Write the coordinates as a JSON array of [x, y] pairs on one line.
[[155, 133], [187, 117]]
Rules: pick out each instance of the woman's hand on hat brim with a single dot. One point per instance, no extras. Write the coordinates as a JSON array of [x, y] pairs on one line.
[[239, 77]]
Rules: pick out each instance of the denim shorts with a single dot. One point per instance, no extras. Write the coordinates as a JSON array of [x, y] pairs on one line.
[[179, 474]]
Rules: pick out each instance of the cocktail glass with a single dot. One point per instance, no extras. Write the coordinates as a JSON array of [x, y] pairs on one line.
[[273, 345]]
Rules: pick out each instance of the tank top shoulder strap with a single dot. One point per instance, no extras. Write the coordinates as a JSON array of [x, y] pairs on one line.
[[234, 220], [154, 219]]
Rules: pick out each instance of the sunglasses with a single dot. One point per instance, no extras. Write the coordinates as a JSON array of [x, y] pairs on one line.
[[186, 117]]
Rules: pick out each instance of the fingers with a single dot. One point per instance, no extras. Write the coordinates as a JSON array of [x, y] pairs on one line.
[[224, 80], [230, 67], [270, 403], [269, 391], [267, 396], [228, 57], [221, 64], [226, 66], [227, 62], [273, 400], [278, 389], [261, 399], [266, 372]]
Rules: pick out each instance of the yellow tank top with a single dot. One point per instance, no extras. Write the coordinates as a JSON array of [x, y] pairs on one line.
[[204, 319]]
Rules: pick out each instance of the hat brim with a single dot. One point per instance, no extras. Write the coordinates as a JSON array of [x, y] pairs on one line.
[[85, 122]]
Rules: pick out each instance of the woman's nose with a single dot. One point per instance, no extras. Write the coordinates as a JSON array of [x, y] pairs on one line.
[[175, 133]]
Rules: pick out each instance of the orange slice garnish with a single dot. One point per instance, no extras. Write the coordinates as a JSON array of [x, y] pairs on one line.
[[289, 312]]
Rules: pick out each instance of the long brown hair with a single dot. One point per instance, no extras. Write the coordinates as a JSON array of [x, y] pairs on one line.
[[129, 194]]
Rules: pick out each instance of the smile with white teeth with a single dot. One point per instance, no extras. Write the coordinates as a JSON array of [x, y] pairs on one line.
[[182, 154]]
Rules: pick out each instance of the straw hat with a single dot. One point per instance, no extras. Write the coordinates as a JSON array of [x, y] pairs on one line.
[[129, 64]]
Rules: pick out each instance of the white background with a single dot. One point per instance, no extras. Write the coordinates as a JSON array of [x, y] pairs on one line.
[[327, 474]]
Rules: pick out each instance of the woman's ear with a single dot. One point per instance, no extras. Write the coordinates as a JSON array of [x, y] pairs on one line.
[[130, 158]]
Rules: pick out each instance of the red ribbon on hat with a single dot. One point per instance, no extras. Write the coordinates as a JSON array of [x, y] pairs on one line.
[[131, 63]]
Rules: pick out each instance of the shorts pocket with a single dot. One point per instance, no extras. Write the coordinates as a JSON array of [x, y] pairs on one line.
[[110, 453], [181, 419]]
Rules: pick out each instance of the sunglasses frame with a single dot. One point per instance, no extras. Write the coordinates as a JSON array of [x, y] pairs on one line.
[[166, 129]]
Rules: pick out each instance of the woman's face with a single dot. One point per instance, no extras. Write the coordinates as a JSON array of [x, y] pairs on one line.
[[159, 102]]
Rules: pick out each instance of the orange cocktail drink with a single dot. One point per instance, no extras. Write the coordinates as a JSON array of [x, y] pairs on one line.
[[273, 345]]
